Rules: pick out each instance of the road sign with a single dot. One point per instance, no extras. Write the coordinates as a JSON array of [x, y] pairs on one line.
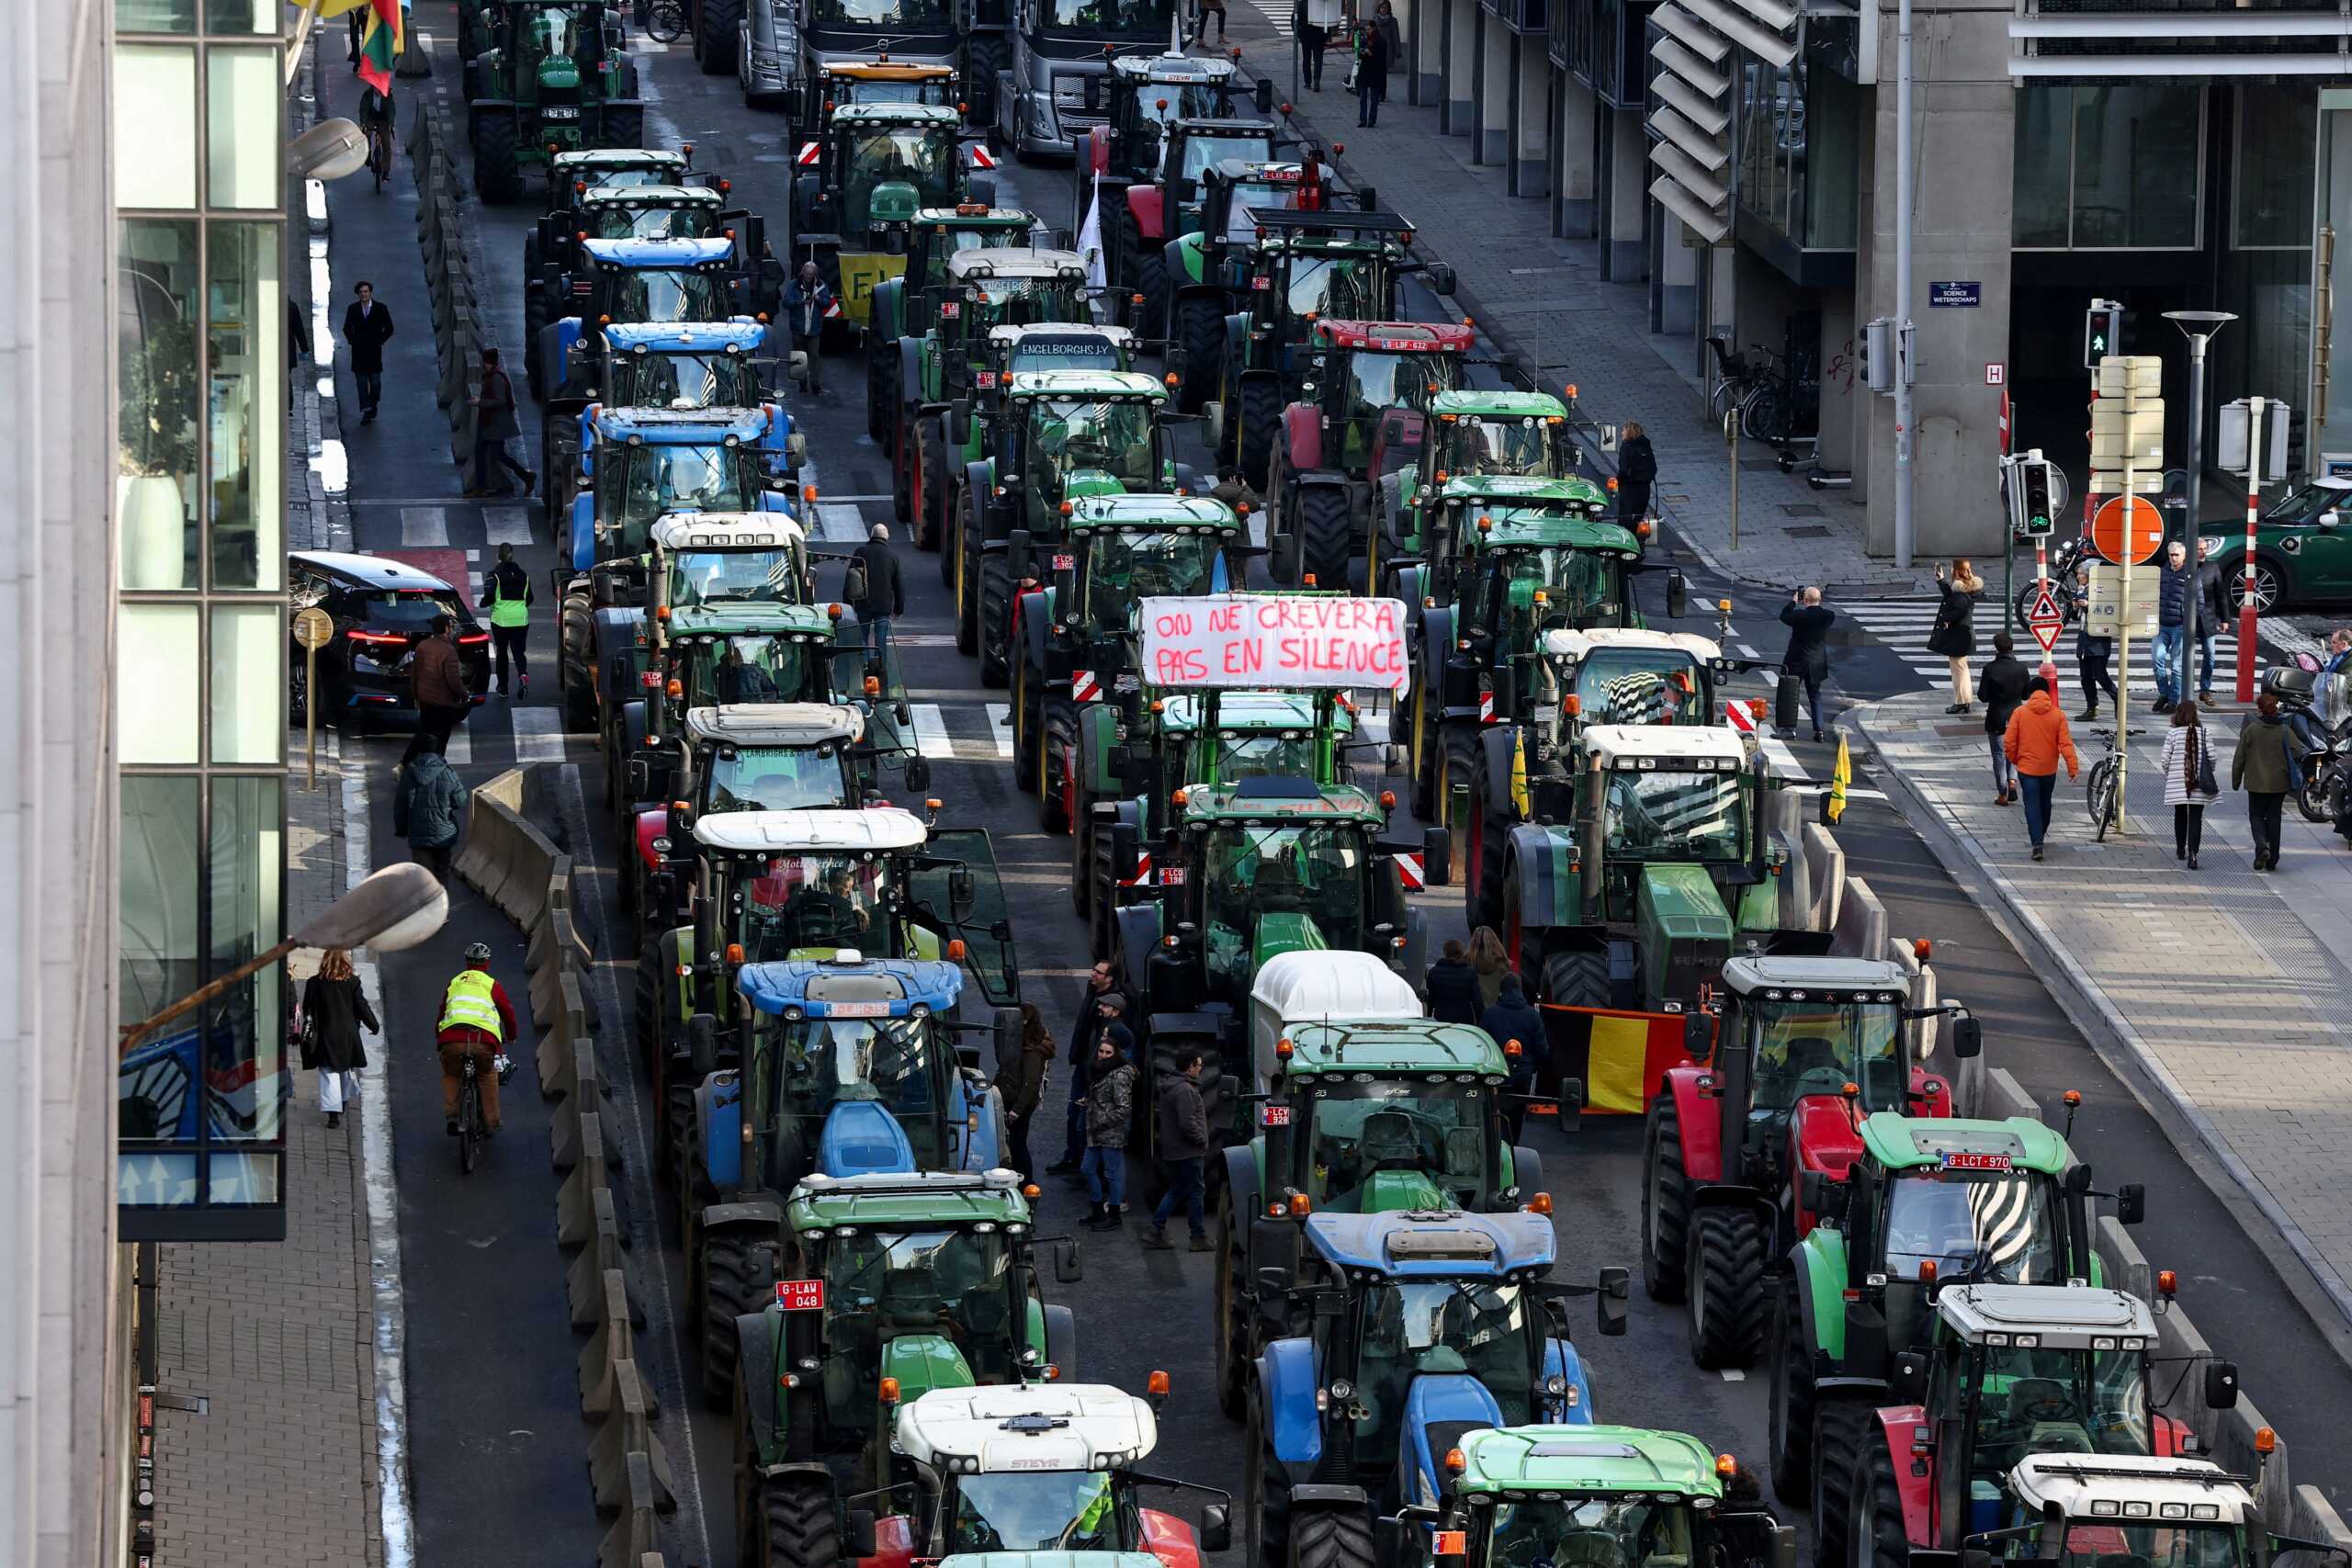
[[2106, 611], [2045, 620], [2147, 529], [1965, 294], [1996, 375], [313, 628]]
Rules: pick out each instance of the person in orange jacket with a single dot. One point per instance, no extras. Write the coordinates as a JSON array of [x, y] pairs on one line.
[[2035, 742]]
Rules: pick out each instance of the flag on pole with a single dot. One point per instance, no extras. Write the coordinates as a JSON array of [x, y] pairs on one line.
[[379, 44], [330, 9], [1832, 805], [1090, 240]]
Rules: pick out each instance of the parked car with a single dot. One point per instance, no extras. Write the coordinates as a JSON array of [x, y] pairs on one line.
[[381, 608], [2303, 548]]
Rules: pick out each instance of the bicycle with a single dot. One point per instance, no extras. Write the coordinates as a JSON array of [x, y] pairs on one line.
[[471, 1131], [666, 22], [379, 153], [2105, 786]]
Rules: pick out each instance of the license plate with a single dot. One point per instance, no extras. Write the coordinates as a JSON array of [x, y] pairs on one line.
[[857, 1010], [1064, 563], [1262, 283], [1957, 1160], [1273, 1116], [950, 308], [1171, 876], [987, 379], [800, 1295], [559, 112]]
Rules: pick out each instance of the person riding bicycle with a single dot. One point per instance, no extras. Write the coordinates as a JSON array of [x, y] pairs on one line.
[[374, 110], [476, 1017]]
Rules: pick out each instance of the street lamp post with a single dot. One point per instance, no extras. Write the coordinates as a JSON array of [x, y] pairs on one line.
[[2199, 327]]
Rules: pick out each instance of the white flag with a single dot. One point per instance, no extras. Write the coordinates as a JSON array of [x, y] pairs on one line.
[[1090, 240]]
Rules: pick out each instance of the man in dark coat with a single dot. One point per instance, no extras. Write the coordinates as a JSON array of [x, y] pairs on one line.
[[807, 299], [1084, 1029], [1636, 472], [1808, 658], [2168, 653], [437, 688], [885, 595], [1183, 1125], [1513, 1017], [1453, 986], [367, 327], [494, 425], [2004, 686], [2216, 607]]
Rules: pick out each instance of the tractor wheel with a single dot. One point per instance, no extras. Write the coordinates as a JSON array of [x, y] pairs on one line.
[[932, 493], [535, 321], [498, 174], [1103, 918], [1082, 857], [1729, 1309], [1459, 752], [1790, 1425], [1028, 724], [995, 607], [988, 55], [1577, 978], [1150, 279], [716, 39], [734, 1282], [1877, 1538], [646, 997], [1327, 526], [1666, 1204], [1260, 417], [1233, 1306], [1199, 327], [1332, 1537], [1265, 1494], [1840, 1427], [1419, 743], [902, 476], [798, 1524], [1489, 845], [676, 1129], [880, 390], [621, 125], [966, 557], [1060, 737]]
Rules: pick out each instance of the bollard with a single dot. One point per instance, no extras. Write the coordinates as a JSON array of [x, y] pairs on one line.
[[583, 1282], [554, 1055], [629, 1429], [609, 1344], [636, 1535], [575, 1209]]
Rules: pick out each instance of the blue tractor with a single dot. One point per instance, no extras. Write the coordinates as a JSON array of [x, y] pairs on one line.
[[640, 465], [653, 365], [851, 1068], [621, 281], [1402, 1331]]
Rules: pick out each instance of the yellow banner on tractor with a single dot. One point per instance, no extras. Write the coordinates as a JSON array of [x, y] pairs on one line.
[[860, 274]]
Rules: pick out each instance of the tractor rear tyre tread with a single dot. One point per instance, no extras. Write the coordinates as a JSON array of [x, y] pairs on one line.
[[932, 515], [1028, 725], [1485, 895], [1332, 1537], [498, 172], [1327, 526], [1200, 328], [1729, 1307], [1060, 738], [1879, 1539], [1270, 1518], [995, 617], [676, 1131], [621, 125], [1666, 1215], [1103, 918], [1260, 414], [715, 41], [646, 1002], [1232, 1308], [1577, 978], [1840, 1427], [799, 1526], [967, 579], [1459, 750], [1789, 1426], [728, 1291]]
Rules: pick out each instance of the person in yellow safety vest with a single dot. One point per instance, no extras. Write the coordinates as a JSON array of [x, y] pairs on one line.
[[476, 1017], [507, 589]]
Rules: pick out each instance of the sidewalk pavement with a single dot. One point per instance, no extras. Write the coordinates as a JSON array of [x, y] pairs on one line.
[[1541, 296], [2222, 988]]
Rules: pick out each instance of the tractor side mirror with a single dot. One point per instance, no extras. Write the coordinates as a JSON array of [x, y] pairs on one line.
[[1441, 275], [1506, 692], [1217, 1526], [959, 421], [963, 892], [2221, 1385], [1822, 1196], [858, 1535], [1123, 851], [1910, 1379], [1063, 240], [1967, 1038], [2130, 1204], [1094, 95], [1272, 1280], [1678, 595], [1616, 1286], [1070, 1267], [1571, 1104], [1186, 189], [702, 1043], [918, 775], [640, 779], [1263, 96], [1437, 855]]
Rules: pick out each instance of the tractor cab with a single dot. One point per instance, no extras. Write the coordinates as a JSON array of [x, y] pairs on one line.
[[1047, 345], [1623, 675], [1226, 739], [550, 254], [862, 180], [1479, 430], [939, 234], [639, 465], [1131, 547], [664, 282], [839, 82], [712, 558], [2099, 1510], [654, 212], [1143, 98], [573, 174], [984, 289], [691, 365], [1370, 384], [1071, 435]]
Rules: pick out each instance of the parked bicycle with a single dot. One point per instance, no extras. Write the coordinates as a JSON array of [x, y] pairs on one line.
[[1766, 391], [2105, 788], [666, 21]]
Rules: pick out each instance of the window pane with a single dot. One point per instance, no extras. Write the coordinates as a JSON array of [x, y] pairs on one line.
[[2135, 167], [2045, 154], [152, 1180], [1833, 153], [244, 1178], [247, 336], [154, 126], [161, 385], [243, 102], [154, 16], [248, 684], [159, 1090], [2276, 125], [156, 704], [234, 16], [244, 1028]]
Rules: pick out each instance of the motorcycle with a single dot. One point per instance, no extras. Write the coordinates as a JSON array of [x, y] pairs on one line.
[[2317, 707], [2072, 598]]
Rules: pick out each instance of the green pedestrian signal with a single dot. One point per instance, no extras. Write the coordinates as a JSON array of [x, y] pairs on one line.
[[2102, 332]]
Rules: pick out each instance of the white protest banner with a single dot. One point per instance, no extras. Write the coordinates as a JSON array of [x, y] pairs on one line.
[[1287, 640]]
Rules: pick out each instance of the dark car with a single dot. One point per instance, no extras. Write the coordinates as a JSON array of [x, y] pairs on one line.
[[2303, 548], [381, 609]]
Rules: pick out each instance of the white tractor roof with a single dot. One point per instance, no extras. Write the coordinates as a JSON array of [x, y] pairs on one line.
[[1118, 337], [1083, 1426], [1303, 986], [2067, 1317], [1016, 261], [775, 724], [880, 827], [1746, 975], [1617, 744], [2131, 1490], [727, 531], [1577, 644]]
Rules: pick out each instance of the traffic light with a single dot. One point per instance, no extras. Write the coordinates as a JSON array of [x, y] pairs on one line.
[[2040, 500], [2102, 332]]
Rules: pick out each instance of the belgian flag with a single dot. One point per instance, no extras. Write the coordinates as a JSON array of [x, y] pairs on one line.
[[381, 44], [1620, 1057]]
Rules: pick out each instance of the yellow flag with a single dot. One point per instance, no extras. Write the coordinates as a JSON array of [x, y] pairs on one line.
[[1519, 776], [330, 9], [1839, 777]]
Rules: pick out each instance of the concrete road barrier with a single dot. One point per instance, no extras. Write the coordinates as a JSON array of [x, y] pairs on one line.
[[1825, 867], [584, 1280], [629, 1430], [1860, 928], [575, 1204], [2004, 1097], [611, 1340], [636, 1535]]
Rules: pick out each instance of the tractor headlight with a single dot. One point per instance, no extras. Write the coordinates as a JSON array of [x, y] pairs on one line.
[[1341, 1388], [1555, 1385]]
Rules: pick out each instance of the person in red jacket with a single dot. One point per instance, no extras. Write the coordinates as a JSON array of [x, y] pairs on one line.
[[476, 1020]]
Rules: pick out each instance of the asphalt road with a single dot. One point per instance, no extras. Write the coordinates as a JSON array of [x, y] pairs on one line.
[[497, 1441]]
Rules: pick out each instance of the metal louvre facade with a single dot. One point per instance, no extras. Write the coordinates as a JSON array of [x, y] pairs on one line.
[[2087, 40], [1690, 119]]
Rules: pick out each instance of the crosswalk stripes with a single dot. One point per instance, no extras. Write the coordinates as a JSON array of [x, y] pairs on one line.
[[507, 524], [1001, 721], [1901, 627], [1277, 14], [838, 522], [422, 527], [931, 731]]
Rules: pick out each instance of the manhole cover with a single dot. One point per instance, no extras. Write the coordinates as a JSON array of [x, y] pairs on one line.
[[1801, 509]]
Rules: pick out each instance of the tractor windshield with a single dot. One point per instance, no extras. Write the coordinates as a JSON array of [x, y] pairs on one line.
[[923, 157], [1818, 1047], [1378, 381], [549, 32], [1627, 685], [1496, 445], [776, 778], [1017, 301], [1996, 1226], [1409, 1327], [1125, 565], [751, 667], [1363, 1125], [1342, 288], [1674, 816], [1106, 18], [679, 479], [683, 381], [1201, 152], [668, 294], [1106, 436], [1049, 1510], [2105, 1543], [1579, 588], [816, 902], [1261, 869], [615, 221], [953, 1283], [2033, 1401], [1257, 195], [1629, 1531], [734, 577], [1234, 755], [1164, 103], [896, 1063], [896, 16]]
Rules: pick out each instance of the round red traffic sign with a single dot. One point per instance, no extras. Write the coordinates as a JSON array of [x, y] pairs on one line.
[[2147, 529]]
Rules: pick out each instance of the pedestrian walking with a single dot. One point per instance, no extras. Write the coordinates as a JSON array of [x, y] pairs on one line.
[[334, 1009], [2005, 685], [2175, 584], [1200, 20], [2265, 767], [1453, 986], [1490, 961], [495, 423], [1384, 17], [1110, 1117], [2091, 654], [1514, 1021], [1636, 472], [1183, 1125], [2189, 783], [367, 328], [1098, 1004], [506, 589], [872, 585], [2215, 607], [807, 299], [1807, 655], [2037, 740], [1315, 18], [1372, 73], [428, 808], [1022, 1082], [437, 688], [1954, 633]]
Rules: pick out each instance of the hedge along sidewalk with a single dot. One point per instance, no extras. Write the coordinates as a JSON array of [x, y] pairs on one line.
[[2223, 991]]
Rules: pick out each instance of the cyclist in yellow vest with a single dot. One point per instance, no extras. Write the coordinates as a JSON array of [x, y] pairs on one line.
[[506, 593], [476, 1017]]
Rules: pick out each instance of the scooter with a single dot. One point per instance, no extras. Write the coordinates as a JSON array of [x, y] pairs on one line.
[[2312, 701]]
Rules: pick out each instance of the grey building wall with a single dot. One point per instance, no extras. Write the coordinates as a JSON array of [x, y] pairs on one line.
[[64, 1387]]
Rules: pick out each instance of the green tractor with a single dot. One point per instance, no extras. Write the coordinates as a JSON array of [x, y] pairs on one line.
[[1075, 632], [1064, 435], [906, 308], [1206, 268], [1471, 433], [887, 1286], [1597, 1497], [1926, 1205], [553, 77]]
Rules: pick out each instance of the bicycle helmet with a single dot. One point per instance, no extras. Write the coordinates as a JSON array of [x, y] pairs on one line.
[[478, 954]]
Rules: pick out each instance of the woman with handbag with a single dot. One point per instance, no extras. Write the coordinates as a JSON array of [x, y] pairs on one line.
[[334, 1010], [2190, 784], [1954, 634]]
